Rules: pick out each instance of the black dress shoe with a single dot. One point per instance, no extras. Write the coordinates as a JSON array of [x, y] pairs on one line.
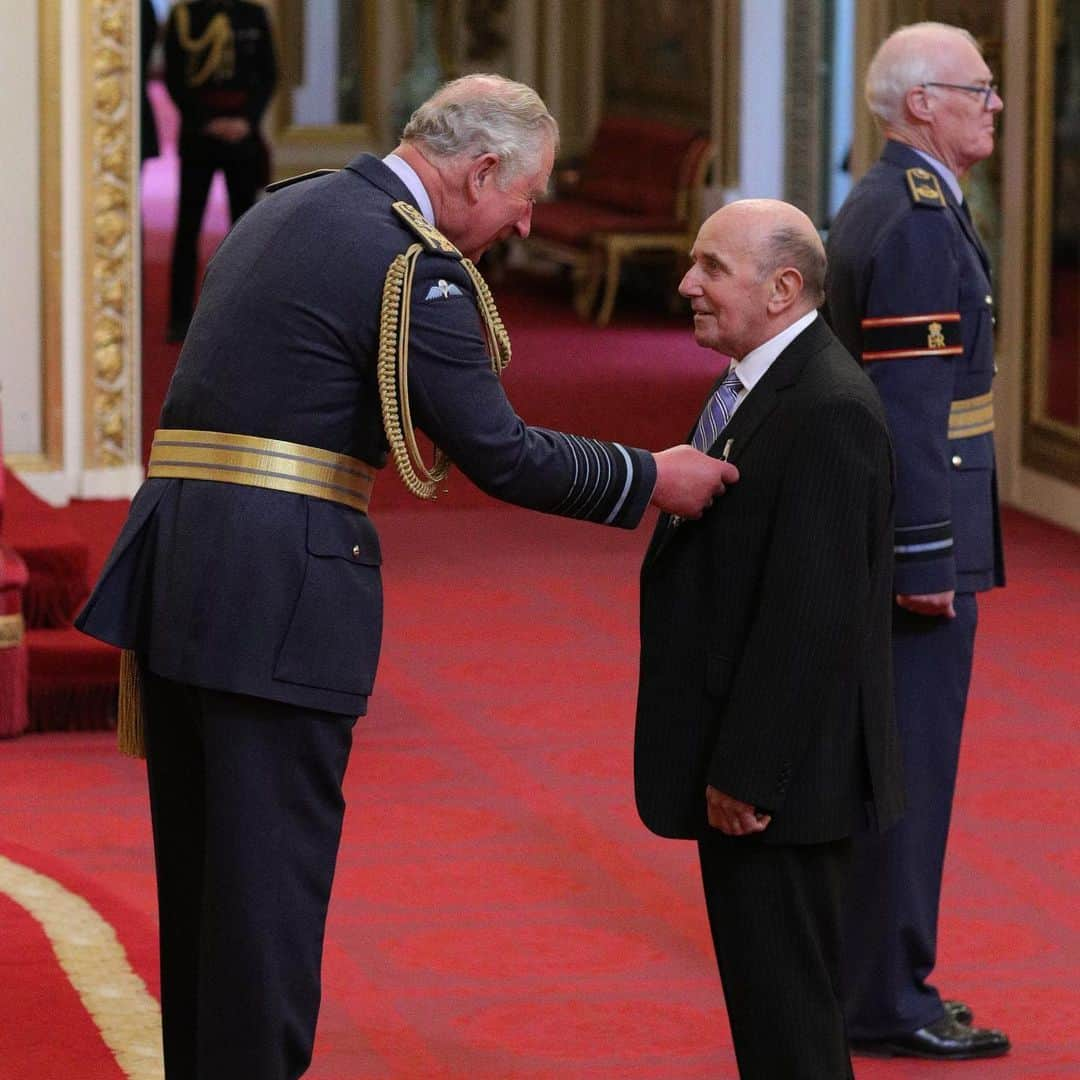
[[959, 1011], [945, 1040]]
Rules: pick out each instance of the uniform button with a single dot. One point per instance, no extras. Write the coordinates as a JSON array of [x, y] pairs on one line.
[[957, 460], [989, 298], [356, 551]]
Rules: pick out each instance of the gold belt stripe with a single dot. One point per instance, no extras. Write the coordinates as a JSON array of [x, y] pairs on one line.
[[11, 630], [182, 454], [971, 416]]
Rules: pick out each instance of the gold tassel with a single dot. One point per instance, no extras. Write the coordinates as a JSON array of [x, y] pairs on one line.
[[129, 717]]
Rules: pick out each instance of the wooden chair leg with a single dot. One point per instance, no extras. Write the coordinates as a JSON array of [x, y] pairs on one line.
[[611, 285], [585, 295]]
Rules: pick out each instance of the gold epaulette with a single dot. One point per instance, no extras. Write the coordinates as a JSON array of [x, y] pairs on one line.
[[433, 239], [277, 185], [925, 188], [393, 359]]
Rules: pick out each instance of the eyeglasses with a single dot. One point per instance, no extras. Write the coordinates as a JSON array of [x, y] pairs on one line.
[[987, 92]]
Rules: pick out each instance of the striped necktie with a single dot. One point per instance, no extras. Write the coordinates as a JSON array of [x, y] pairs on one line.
[[717, 411]]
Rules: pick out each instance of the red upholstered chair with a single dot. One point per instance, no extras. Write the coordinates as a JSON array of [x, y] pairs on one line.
[[14, 713], [639, 190]]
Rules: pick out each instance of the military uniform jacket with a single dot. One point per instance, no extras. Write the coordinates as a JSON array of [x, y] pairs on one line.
[[227, 72], [909, 294], [278, 595], [765, 661]]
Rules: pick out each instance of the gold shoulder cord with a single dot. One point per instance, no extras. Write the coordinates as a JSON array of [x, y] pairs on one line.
[[393, 369], [217, 39]]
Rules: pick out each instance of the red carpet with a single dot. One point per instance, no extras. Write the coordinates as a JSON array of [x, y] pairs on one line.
[[499, 911]]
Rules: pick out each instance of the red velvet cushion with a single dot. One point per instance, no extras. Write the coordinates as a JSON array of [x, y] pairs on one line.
[[74, 681], [636, 164], [69, 656], [13, 576]]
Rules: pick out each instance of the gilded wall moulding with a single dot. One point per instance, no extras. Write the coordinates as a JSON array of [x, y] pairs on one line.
[[111, 206]]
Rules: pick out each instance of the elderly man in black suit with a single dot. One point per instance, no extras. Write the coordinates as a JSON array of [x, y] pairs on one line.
[[246, 581], [764, 721]]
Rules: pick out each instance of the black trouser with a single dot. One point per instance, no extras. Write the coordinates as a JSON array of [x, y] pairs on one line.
[[774, 913], [890, 926], [196, 175], [247, 806]]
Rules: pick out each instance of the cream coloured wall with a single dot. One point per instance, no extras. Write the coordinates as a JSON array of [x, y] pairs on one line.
[[20, 257]]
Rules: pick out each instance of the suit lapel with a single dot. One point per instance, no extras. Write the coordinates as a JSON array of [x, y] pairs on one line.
[[968, 227], [753, 412]]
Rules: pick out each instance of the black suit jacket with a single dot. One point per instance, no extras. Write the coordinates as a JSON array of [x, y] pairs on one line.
[[765, 659]]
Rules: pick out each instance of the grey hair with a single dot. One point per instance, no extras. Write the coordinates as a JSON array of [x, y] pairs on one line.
[[481, 114], [790, 246], [901, 62]]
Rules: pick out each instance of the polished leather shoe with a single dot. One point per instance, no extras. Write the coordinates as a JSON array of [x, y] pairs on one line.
[[959, 1011], [944, 1040]]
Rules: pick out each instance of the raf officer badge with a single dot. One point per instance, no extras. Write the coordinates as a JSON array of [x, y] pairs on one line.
[[442, 289]]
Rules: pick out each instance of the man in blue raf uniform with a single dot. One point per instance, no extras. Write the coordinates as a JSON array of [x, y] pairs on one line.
[[220, 71], [909, 294], [246, 580]]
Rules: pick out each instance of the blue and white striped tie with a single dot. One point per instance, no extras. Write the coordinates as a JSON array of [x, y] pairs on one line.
[[717, 411]]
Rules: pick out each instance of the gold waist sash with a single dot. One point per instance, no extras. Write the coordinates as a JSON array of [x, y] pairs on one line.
[[267, 463], [971, 416]]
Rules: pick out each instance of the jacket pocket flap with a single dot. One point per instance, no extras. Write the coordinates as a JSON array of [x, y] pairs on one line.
[[337, 532]]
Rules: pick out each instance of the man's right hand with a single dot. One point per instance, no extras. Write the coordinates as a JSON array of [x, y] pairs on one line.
[[940, 603], [687, 480]]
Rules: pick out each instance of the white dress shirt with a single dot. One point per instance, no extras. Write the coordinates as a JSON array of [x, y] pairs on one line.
[[755, 363]]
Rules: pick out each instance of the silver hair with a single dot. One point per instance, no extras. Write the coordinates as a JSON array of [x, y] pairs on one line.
[[481, 114], [789, 246], [901, 62]]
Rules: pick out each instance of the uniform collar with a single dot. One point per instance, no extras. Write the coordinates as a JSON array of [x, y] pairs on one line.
[[408, 176], [944, 172]]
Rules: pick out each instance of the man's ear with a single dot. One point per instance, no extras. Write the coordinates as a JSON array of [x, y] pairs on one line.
[[481, 174], [787, 286], [918, 105]]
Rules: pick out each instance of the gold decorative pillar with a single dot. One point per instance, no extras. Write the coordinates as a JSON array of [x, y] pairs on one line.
[[111, 236]]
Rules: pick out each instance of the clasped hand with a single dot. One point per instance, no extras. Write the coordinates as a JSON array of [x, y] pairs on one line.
[[228, 128], [733, 817]]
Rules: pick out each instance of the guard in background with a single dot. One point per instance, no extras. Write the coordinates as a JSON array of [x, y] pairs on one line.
[[909, 293], [220, 70], [245, 586]]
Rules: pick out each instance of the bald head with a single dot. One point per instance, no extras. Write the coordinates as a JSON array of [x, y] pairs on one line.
[[758, 266], [783, 236]]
